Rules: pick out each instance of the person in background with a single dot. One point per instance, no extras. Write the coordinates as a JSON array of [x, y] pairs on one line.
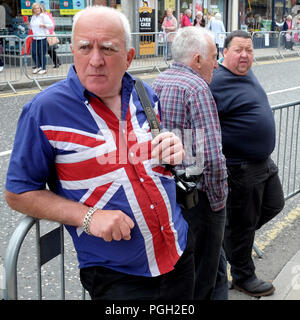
[[1, 65], [287, 27], [217, 27], [40, 24], [186, 22], [107, 180], [169, 25], [209, 18], [189, 107], [2, 26], [199, 20], [52, 49], [8, 14], [248, 138]]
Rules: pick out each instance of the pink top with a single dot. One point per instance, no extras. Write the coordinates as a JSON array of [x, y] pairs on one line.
[[52, 19], [186, 22]]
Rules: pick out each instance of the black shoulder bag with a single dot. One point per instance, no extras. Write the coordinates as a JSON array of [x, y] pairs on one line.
[[186, 189]]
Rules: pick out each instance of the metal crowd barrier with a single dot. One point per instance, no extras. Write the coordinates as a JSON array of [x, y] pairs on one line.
[[48, 246], [265, 44], [153, 52], [276, 45], [10, 49], [16, 54], [52, 244], [59, 55], [289, 43], [287, 152], [149, 47]]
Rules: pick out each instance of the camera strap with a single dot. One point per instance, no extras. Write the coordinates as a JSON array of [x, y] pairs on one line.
[[190, 197], [150, 114]]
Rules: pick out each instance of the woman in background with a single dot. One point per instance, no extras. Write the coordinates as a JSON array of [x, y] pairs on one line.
[[40, 24], [169, 25], [52, 49], [199, 20]]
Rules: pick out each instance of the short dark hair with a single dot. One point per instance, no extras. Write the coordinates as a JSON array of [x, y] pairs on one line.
[[235, 34]]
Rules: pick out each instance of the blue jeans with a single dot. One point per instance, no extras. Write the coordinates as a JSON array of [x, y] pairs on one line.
[[38, 52], [207, 228], [255, 197]]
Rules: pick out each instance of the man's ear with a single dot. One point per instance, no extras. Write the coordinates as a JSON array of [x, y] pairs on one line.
[[130, 56], [198, 60]]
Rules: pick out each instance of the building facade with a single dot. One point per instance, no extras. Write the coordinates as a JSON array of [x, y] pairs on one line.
[[250, 15], [63, 10]]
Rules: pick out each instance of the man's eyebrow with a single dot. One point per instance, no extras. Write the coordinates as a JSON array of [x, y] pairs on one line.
[[109, 44], [106, 44], [84, 42]]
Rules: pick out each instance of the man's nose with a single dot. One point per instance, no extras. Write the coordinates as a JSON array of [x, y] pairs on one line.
[[244, 53], [97, 57]]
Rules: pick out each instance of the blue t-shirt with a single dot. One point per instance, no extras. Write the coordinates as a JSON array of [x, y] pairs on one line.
[[247, 121]]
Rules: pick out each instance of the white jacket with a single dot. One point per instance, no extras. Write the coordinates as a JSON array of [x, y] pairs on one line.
[[38, 32]]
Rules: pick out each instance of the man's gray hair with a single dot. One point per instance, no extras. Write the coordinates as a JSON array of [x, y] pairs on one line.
[[189, 41], [108, 11]]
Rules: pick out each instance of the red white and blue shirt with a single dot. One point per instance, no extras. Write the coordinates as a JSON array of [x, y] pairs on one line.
[[69, 140]]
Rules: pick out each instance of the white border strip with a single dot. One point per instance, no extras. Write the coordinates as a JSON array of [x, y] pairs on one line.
[[5, 153]]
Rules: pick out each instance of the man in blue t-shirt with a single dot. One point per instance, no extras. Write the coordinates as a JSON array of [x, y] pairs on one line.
[[248, 139]]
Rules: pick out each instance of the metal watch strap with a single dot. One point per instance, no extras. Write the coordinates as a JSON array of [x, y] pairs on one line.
[[87, 220]]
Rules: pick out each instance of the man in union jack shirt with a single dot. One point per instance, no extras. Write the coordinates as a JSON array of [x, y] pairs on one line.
[[89, 140]]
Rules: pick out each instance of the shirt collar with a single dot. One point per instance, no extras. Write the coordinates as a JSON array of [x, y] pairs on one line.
[[83, 93], [180, 66]]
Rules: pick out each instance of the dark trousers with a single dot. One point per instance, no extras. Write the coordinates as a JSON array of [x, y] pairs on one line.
[[220, 291], [52, 53], [207, 227], [106, 284], [38, 52], [255, 197]]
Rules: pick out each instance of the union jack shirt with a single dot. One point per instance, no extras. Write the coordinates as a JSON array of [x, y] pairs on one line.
[[76, 145]]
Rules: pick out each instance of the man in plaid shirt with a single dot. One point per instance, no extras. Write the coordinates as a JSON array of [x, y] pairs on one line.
[[189, 107]]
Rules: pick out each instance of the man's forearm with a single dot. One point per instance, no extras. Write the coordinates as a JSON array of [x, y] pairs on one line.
[[44, 204]]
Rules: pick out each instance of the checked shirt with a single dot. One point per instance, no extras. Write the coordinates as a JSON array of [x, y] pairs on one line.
[[188, 105]]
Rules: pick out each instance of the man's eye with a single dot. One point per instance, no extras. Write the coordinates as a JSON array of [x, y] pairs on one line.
[[108, 50], [83, 47]]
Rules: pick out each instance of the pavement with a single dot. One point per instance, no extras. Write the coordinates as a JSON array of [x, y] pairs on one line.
[[287, 282]]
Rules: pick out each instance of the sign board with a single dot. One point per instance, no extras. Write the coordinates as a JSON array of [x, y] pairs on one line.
[[147, 24], [70, 7], [27, 4]]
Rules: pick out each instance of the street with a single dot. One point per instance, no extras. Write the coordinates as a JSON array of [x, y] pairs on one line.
[[279, 240]]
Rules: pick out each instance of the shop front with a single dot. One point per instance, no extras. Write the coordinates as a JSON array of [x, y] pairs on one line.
[[19, 12], [266, 15], [179, 7]]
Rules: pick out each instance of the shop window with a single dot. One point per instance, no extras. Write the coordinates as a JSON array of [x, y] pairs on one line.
[[256, 15]]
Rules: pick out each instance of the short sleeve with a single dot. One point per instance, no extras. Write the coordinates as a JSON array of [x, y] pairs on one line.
[[32, 157]]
